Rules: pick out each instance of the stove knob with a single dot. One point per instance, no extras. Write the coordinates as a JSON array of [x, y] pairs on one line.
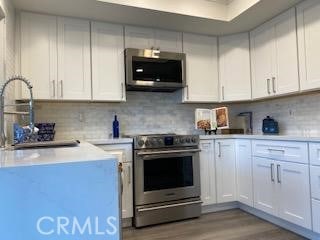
[[182, 140], [160, 142], [188, 140], [154, 142], [147, 143], [194, 140], [176, 141], [140, 143]]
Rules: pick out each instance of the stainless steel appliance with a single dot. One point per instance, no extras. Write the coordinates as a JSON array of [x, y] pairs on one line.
[[154, 70], [166, 178]]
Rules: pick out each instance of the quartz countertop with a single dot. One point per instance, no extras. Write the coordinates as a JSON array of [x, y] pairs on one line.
[[262, 137], [110, 141], [41, 156]]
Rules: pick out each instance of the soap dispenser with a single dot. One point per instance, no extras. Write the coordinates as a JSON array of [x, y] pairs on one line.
[[115, 127]]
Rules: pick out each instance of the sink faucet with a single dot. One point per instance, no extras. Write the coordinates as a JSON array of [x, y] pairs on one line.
[[2, 106]]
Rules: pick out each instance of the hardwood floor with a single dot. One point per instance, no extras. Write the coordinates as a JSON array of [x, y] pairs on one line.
[[226, 225]]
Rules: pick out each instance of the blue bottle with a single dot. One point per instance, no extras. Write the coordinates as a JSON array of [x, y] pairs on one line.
[[115, 126]]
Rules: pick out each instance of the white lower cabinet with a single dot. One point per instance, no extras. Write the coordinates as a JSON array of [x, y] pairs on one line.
[[207, 172], [282, 189], [316, 215], [244, 172], [226, 170], [124, 154]]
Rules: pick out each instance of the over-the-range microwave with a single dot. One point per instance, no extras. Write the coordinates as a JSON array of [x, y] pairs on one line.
[[154, 70]]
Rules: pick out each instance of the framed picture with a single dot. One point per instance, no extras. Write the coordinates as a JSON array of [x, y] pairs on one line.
[[222, 117]]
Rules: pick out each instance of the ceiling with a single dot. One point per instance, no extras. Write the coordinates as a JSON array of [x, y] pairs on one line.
[[246, 20]]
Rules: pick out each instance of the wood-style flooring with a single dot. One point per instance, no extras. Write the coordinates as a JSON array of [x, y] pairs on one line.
[[226, 225]]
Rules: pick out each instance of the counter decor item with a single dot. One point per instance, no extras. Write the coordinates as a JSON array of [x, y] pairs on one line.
[[46, 131], [210, 120], [270, 126], [115, 127]]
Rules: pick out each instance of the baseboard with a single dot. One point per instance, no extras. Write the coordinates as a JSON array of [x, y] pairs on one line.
[[126, 222], [219, 207], [279, 222]]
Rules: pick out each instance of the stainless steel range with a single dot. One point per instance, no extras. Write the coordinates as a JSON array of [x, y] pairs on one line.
[[166, 178]]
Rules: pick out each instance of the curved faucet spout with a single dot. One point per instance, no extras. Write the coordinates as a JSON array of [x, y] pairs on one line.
[[2, 106]]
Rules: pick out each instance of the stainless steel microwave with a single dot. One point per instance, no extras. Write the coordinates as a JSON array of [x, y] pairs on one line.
[[154, 70]]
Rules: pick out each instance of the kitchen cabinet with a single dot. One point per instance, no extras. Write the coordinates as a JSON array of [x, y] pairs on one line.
[[316, 215], [244, 172], [124, 154], [108, 80], [314, 149], [315, 182], [74, 59], [225, 170], [207, 172], [148, 38], [234, 66], [38, 42], [274, 57], [274, 192], [309, 37], [201, 68]]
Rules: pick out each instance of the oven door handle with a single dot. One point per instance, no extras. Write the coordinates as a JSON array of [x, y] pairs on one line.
[[169, 206], [168, 152]]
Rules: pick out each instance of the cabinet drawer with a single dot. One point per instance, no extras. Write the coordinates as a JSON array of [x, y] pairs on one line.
[[314, 149], [316, 215], [315, 182], [282, 150]]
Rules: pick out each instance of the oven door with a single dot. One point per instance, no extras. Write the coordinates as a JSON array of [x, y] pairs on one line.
[[166, 175]]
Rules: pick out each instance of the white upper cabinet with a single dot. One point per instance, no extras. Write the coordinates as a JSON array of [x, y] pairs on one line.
[[234, 64], [225, 170], [309, 48], [108, 80], [147, 38], [201, 68], [274, 57], [74, 59], [244, 172], [39, 54], [207, 172]]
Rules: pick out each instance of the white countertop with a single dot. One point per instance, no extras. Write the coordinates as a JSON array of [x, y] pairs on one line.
[[110, 141], [42, 156], [262, 137]]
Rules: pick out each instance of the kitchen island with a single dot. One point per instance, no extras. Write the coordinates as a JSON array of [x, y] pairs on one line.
[[59, 193]]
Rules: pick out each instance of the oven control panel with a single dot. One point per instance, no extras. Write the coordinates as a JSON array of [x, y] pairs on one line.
[[165, 141]]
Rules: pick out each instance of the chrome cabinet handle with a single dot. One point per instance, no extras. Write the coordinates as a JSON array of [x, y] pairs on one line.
[[278, 173], [219, 149], [120, 167], [274, 85], [53, 82], [122, 91], [129, 175], [222, 92], [272, 172], [268, 86], [169, 206], [61, 88], [187, 92]]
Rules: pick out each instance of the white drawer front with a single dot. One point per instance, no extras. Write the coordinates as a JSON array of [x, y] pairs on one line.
[[314, 149], [281, 150], [315, 182], [316, 215]]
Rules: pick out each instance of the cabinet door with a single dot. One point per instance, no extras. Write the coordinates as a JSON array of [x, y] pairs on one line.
[[316, 215], [127, 192], [294, 193], [201, 68], [168, 41], [107, 62], [309, 48], [244, 172], [138, 37], [74, 64], [261, 61], [234, 64], [39, 54], [315, 182], [225, 170], [207, 172], [286, 77], [264, 191]]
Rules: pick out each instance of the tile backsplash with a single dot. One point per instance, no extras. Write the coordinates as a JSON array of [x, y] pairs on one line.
[[146, 112]]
